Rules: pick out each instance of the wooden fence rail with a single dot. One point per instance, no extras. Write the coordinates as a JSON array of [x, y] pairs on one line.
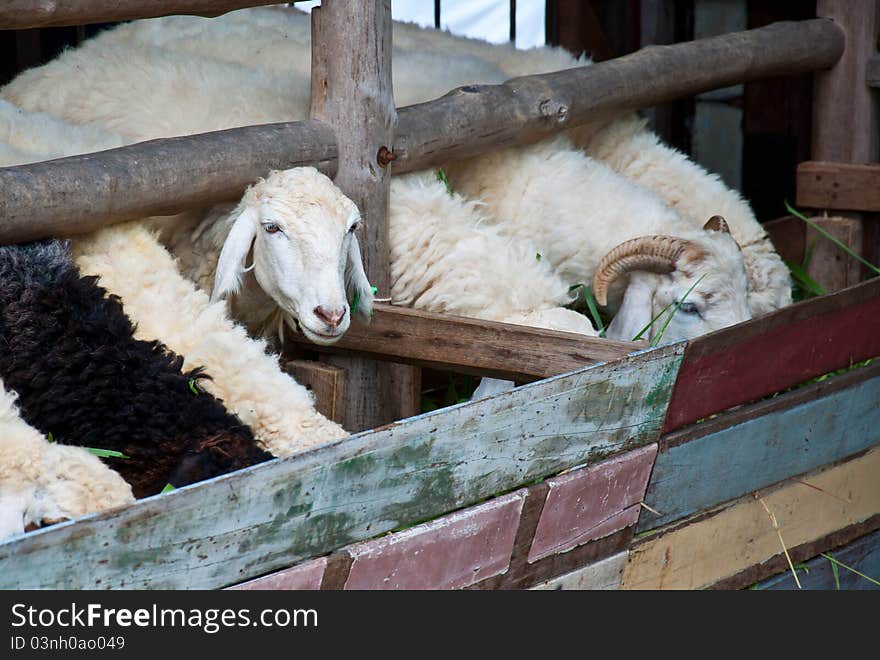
[[59, 197]]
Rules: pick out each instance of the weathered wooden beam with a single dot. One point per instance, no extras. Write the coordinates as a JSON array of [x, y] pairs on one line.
[[790, 346], [838, 186], [481, 348], [351, 91], [23, 14], [873, 74], [327, 383], [788, 237], [67, 196]]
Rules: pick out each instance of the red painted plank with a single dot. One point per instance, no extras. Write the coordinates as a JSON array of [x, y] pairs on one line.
[[449, 553], [593, 502], [306, 576], [743, 363]]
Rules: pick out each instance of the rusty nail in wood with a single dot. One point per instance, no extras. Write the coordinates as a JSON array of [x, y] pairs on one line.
[[385, 156]]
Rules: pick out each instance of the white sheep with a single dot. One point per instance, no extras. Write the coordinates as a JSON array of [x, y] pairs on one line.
[[42, 482], [131, 263]]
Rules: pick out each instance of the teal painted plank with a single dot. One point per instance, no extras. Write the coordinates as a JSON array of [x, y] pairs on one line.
[[735, 461], [273, 515], [863, 555]]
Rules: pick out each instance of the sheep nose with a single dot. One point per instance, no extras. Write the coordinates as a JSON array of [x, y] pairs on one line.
[[332, 317]]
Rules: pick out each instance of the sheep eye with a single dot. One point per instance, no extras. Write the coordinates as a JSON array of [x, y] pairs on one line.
[[688, 308], [271, 227]]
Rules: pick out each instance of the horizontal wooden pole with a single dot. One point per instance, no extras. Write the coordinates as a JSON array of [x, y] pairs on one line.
[[79, 194], [23, 14], [472, 346], [838, 186]]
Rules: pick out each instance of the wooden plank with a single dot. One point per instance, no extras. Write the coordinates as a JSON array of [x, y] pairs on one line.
[[306, 576], [20, 14], [156, 179], [451, 552], [593, 502], [830, 266], [838, 186], [863, 555], [763, 444], [873, 72], [743, 363], [351, 91], [326, 382], [604, 575], [254, 521], [788, 237], [474, 346], [704, 551]]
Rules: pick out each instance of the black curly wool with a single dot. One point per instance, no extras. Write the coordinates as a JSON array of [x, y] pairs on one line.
[[68, 350]]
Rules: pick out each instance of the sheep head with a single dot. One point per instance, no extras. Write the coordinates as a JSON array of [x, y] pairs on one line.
[[300, 229], [662, 271]]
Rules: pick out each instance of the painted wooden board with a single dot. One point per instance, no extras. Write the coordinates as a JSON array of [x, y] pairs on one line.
[[593, 502], [790, 346], [777, 439], [448, 553], [604, 575], [710, 548], [272, 515], [473, 346], [306, 576], [863, 555], [838, 186]]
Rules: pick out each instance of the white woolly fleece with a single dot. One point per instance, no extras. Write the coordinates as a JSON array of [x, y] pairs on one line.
[[43, 482]]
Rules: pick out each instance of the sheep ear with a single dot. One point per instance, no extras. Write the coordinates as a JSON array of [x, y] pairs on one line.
[[634, 313], [230, 265], [357, 286]]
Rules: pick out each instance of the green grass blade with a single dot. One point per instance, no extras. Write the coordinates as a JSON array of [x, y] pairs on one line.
[[651, 322], [804, 280], [841, 245], [594, 309], [835, 563], [659, 336], [441, 177], [168, 488], [105, 453]]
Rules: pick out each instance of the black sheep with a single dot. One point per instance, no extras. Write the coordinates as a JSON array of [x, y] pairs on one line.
[[68, 350]]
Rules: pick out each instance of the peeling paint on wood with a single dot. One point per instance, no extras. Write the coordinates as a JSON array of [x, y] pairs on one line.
[[593, 502], [272, 515], [305, 576], [709, 549], [722, 466], [605, 575], [449, 553]]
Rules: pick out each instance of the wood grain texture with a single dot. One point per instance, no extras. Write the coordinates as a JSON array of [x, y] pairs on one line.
[[830, 266], [873, 74], [838, 186], [592, 502], [863, 555], [451, 552], [774, 441], [22, 14], [351, 91], [788, 237], [698, 554], [465, 122], [767, 355], [326, 382], [605, 574], [270, 516], [306, 577], [474, 346]]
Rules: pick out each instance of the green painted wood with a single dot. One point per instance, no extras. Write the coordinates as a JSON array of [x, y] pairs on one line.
[[778, 439], [251, 522]]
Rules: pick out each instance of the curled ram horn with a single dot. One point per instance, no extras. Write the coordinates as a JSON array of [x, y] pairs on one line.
[[717, 223], [653, 254]]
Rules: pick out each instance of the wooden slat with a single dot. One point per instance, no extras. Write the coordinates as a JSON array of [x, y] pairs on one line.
[[326, 382], [465, 122], [273, 515], [763, 444], [873, 74], [604, 575], [830, 266], [863, 555], [838, 186], [22, 14], [481, 348], [788, 237], [708, 549], [746, 362]]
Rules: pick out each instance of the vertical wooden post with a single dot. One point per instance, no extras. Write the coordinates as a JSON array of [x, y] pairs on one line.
[[846, 125], [351, 91]]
